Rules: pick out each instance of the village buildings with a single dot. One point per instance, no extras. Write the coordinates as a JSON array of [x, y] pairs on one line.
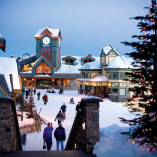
[[102, 76]]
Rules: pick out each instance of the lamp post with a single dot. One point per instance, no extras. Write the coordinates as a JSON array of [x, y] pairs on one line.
[[23, 56]]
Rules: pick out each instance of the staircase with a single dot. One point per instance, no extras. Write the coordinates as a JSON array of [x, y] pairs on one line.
[[46, 154]]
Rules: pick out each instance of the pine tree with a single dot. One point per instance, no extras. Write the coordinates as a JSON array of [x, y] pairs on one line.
[[143, 80]]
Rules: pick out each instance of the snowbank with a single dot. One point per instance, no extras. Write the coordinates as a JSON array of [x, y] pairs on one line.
[[114, 144], [9, 66]]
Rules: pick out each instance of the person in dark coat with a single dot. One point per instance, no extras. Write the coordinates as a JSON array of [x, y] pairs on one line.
[[34, 91], [59, 117], [38, 94], [60, 136], [27, 93], [61, 90], [47, 136], [78, 107], [72, 100], [63, 109], [45, 99]]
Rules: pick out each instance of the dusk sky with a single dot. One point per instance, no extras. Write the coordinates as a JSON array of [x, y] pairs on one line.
[[86, 25]]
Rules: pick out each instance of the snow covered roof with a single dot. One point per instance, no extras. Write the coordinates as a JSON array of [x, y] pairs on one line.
[[92, 65], [64, 68], [107, 49], [100, 79], [96, 79], [92, 98], [54, 32], [119, 62], [9, 66], [69, 69]]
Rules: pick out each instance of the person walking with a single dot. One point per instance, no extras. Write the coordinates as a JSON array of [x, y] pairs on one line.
[[34, 91], [27, 93], [59, 117], [45, 99], [47, 136], [72, 100], [60, 136], [38, 94], [63, 109]]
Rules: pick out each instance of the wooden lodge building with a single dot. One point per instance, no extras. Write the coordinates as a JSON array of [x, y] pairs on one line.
[[101, 76], [105, 78], [47, 69]]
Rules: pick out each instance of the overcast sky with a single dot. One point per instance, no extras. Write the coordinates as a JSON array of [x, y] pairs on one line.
[[86, 25]]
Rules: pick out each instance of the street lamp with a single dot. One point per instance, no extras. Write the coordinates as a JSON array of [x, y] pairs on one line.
[[24, 56]]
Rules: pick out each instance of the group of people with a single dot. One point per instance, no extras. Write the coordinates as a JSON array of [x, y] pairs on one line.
[[59, 132], [28, 91], [45, 97]]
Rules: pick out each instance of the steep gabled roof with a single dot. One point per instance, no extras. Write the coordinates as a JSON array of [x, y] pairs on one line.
[[40, 60], [52, 33], [108, 48], [119, 62]]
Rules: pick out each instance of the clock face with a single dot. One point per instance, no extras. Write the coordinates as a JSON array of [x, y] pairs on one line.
[[46, 40]]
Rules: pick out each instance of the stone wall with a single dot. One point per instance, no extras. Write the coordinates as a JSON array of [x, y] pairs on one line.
[[9, 129], [85, 130]]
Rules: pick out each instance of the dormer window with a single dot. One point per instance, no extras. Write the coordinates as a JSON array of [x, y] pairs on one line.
[[69, 60], [87, 59]]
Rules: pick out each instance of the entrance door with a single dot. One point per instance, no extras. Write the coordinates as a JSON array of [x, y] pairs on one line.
[[43, 83]]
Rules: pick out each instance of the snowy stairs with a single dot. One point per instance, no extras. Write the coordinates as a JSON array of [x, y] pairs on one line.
[[71, 153]]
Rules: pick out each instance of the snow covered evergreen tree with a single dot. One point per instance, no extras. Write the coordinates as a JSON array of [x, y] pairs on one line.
[[143, 81]]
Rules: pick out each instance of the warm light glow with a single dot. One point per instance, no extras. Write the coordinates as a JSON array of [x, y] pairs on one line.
[[83, 126], [75, 146], [133, 142]]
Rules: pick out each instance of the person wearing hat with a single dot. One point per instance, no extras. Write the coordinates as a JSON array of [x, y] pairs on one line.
[[47, 136], [60, 136]]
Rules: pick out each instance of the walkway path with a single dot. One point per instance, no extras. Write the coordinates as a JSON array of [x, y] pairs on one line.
[[49, 111]]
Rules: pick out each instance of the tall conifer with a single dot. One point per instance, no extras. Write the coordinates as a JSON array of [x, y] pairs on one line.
[[143, 80]]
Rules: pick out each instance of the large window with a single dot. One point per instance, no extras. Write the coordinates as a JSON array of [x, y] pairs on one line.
[[123, 75], [122, 91], [85, 75], [114, 75], [43, 69], [114, 91]]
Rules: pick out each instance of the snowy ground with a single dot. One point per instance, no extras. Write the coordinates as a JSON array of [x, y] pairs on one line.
[[112, 143]]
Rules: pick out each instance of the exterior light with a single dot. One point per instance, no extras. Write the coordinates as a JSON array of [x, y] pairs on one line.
[[83, 125], [75, 146]]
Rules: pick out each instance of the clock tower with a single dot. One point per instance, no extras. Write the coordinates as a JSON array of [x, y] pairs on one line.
[[48, 44]]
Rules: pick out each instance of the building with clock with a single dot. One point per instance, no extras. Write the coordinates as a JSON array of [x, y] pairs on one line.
[[46, 65], [100, 76]]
